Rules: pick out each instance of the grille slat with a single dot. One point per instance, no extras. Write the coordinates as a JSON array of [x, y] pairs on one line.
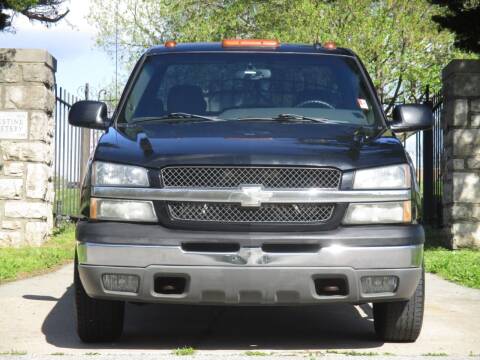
[[267, 213], [233, 177]]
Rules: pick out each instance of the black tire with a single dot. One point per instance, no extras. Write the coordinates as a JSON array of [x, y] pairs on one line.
[[97, 320], [401, 321]]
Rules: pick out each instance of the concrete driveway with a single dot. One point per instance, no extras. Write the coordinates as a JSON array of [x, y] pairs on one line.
[[36, 316]]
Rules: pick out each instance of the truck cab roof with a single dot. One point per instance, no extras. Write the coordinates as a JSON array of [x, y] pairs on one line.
[[218, 46]]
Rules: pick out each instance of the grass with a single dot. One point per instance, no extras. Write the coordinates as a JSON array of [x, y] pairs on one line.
[[14, 353], [17, 263], [352, 353], [255, 353], [460, 266], [184, 351], [435, 354]]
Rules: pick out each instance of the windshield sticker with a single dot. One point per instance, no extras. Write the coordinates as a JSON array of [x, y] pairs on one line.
[[363, 104]]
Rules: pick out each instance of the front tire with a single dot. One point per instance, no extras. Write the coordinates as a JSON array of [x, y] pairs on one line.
[[97, 320], [401, 321]]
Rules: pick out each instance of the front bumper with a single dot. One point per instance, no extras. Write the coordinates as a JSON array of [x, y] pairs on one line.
[[252, 275]]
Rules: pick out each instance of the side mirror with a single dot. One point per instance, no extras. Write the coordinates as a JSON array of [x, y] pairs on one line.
[[411, 117], [89, 114]]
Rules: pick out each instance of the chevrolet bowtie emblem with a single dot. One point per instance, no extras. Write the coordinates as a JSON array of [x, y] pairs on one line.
[[253, 195]]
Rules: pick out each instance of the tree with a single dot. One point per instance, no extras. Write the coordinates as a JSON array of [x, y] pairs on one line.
[[402, 47], [46, 11], [463, 18]]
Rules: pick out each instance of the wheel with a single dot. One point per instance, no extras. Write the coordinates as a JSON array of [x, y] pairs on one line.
[[401, 321], [97, 320]]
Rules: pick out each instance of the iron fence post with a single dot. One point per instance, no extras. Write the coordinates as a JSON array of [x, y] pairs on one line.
[[427, 168]]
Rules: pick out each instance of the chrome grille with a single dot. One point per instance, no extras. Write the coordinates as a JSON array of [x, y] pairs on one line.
[[269, 177], [267, 213]]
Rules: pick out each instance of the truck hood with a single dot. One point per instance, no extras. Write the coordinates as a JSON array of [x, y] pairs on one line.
[[154, 145]]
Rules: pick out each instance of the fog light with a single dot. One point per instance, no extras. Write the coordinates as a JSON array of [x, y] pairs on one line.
[[121, 282], [379, 284]]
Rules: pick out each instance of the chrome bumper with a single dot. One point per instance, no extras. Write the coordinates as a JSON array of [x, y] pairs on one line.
[[249, 276]]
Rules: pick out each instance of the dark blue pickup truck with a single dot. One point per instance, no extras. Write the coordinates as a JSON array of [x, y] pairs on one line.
[[249, 172]]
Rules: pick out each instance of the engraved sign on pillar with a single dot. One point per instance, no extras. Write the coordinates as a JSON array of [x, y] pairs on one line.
[[13, 125]]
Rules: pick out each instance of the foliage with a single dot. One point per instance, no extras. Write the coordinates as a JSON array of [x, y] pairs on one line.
[[46, 11], [402, 47], [184, 351], [463, 18], [460, 266], [19, 262]]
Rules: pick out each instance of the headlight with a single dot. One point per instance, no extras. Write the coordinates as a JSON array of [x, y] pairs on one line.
[[122, 210], [388, 177], [379, 213], [106, 174]]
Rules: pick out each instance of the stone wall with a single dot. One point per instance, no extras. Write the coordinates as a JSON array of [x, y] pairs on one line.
[[27, 102], [461, 119]]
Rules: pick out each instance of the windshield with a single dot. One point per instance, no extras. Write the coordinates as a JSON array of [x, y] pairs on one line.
[[234, 86]]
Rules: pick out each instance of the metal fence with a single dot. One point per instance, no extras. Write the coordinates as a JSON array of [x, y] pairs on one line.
[[67, 160], [72, 146], [438, 160], [427, 153]]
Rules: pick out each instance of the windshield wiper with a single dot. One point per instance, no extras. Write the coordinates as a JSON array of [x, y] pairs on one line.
[[294, 117], [289, 118], [173, 116]]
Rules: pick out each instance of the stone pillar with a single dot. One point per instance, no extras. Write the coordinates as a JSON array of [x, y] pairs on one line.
[[27, 101], [461, 119]]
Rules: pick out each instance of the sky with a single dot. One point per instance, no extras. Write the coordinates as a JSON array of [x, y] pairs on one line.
[[71, 42]]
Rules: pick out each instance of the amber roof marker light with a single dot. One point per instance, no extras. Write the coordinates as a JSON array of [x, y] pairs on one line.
[[170, 43], [330, 45], [239, 43]]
